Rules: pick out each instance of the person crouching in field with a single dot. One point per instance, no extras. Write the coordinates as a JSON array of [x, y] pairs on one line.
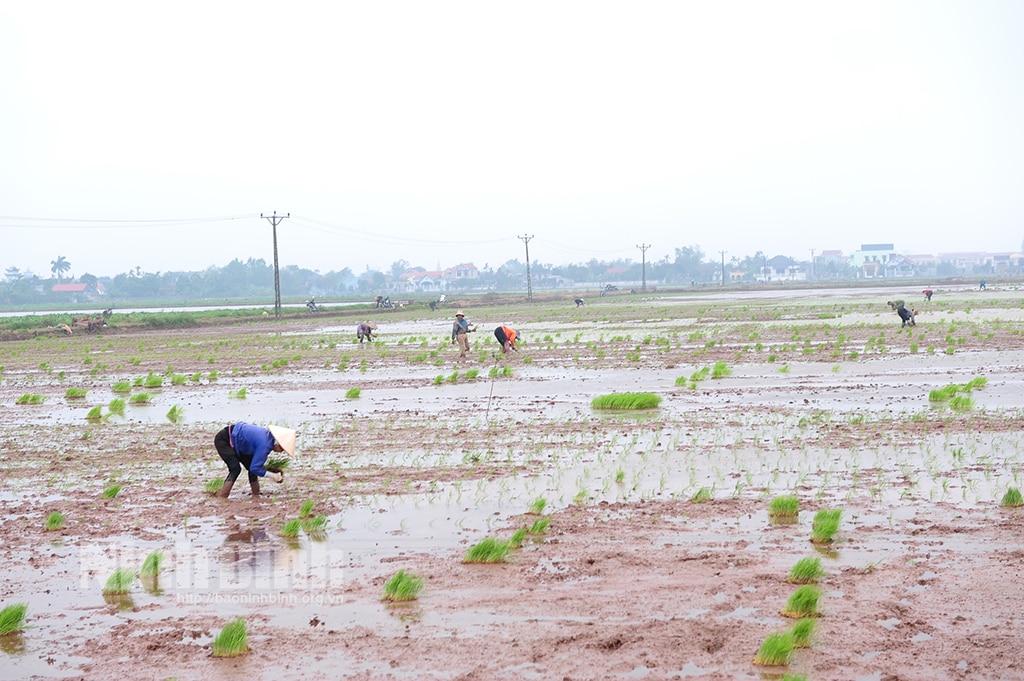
[[365, 330], [243, 444], [507, 336]]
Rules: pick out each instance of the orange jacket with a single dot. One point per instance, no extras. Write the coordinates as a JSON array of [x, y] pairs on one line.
[[510, 334]]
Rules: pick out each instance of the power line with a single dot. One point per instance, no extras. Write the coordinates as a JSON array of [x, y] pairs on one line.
[[275, 220]]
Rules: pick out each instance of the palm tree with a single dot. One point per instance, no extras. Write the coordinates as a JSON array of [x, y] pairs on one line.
[[59, 266]]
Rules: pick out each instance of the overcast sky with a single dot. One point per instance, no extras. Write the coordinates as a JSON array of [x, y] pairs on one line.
[[152, 135]]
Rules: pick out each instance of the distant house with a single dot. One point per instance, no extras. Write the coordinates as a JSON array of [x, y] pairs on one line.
[[461, 273], [69, 288], [79, 291]]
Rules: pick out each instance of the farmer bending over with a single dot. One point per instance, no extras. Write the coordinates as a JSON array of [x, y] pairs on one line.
[[365, 330], [507, 336], [243, 444]]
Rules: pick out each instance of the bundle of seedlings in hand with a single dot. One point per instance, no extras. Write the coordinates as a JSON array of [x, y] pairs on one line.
[[490, 550], [403, 586], [232, 640], [626, 401], [803, 603], [12, 618], [802, 632], [1012, 498], [111, 492], [776, 650], [120, 582], [785, 506], [54, 521], [277, 463], [806, 571], [825, 525]]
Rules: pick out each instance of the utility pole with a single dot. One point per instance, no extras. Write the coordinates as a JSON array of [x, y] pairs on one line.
[[723, 267], [275, 220], [812, 264], [643, 267], [529, 282]]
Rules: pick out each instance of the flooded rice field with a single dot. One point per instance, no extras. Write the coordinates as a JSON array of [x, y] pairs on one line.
[[655, 557]]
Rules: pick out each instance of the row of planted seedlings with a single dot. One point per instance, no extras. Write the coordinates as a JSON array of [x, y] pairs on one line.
[[778, 648]]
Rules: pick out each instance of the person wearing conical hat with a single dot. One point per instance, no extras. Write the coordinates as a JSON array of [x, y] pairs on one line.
[[245, 445], [460, 333]]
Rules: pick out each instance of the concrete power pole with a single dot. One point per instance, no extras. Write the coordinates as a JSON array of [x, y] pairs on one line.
[[529, 282], [723, 267], [275, 220], [643, 267], [812, 264]]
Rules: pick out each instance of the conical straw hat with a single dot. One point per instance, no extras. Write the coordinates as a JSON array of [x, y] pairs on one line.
[[285, 437]]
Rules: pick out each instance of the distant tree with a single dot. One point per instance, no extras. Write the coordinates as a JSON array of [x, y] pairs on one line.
[[89, 279], [59, 267], [13, 274], [398, 267]]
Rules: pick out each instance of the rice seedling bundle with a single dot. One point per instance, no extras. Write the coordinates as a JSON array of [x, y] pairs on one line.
[[317, 525], [490, 550], [120, 582], [825, 525], [720, 370], [306, 510], [121, 387], [54, 521], [12, 618], [29, 398], [776, 650], [291, 528], [140, 398], [213, 486], [517, 538], [803, 602], [802, 632], [626, 401], [540, 525], [152, 381], [75, 393], [353, 393], [232, 641], [1012, 498], [537, 506], [152, 563], [785, 505], [94, 414], [403, 586], [112, 491], [277, 463], [806, 571], [175, 414], [702, 495], [116, 406]]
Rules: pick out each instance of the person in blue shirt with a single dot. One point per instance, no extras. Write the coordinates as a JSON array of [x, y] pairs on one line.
[[243, 444], [460, 333]]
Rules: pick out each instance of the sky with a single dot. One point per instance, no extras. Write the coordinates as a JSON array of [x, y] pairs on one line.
[[154, 135]]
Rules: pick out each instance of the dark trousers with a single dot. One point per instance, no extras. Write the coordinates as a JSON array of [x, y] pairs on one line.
[[232, 459], [499, 333]]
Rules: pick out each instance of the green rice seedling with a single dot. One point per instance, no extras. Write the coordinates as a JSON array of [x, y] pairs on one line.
[[403, 586], [682, 381], [140, 398], [702, 495], [825, 525], [961, 403], [806, 571], [152, 381], [238, 394], [490, 550], [793, 677], [54, 521], [94, 414], [116, 406], [803, 602], [120, 582], [30, 398], [277, 463], [537, 506], [803, 631], [353, 393], [175, 414], [112, 491], [12, 618], [540, 525], [439, 379], [1012, 498], [291, 528], [178, 379], [720, 370], [213, 486], [516, 540], [75, 393], [196, 377], [232, 641], [121, 387], [472, 373], [620, 476], [453, 377], [977, 382], [317, 525], [626, 401], [306, 510], [784, 369], [137, 382], [152, 563], [776, 650], [786, 505]]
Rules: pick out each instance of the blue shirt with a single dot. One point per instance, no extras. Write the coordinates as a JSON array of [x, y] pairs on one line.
[[255, 442], [460, 326]]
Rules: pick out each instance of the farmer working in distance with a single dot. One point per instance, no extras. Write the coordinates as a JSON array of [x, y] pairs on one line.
[[243, 444], [507, 336], [460, 333], [365, 330]]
